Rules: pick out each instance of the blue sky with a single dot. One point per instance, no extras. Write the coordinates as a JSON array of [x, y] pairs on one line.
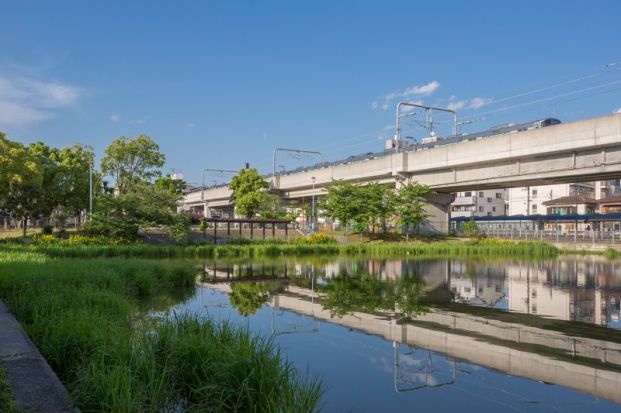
[[217, 84]]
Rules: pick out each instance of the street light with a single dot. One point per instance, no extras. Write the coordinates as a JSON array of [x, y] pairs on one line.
[[313, 208], [90, 187]]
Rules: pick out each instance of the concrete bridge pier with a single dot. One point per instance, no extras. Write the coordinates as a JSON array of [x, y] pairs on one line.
[[438, 207]]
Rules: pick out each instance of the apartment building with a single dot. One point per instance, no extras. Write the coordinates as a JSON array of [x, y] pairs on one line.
[[479, 203], [530, 200]]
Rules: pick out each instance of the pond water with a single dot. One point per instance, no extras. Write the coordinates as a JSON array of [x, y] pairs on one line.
[[434, 335]]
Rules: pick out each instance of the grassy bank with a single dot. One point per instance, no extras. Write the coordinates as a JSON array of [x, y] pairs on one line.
[[87, 319], [7, 403], [481, 248]]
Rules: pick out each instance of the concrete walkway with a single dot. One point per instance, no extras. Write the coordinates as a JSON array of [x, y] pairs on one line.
[[35, 386]]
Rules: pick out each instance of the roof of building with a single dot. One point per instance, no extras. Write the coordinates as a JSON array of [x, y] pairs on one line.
[[612, 199], [570, 200]]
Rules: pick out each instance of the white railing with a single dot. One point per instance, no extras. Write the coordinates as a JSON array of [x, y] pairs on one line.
[[550, 235]]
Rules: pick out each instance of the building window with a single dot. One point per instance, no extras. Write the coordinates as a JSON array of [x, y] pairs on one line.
[[468, 193], [489, 214], [489, 199], [480, 209], [481, 195], [493, 209], [498, 195], [534, 207], [534, 193]]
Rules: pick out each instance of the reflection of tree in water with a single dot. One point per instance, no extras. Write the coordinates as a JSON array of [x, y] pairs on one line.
[[365, 293], [248, 297]]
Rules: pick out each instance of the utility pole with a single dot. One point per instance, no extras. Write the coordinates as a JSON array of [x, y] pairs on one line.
[[428, 110], [313, 207], [90, 188], [296, 151]]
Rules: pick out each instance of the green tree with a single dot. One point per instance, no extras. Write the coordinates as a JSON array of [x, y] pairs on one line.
[[346, 202], [122, 216], [130, 161], [167, 183], [24, 202], [50, 193], [410, 205], [250, 195], [17, 166], [380, 201], [75, 164]]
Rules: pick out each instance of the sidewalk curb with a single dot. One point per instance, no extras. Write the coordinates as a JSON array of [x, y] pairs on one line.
[[33, 383]]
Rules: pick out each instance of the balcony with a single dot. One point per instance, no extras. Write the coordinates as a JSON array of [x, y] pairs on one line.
[[465, 200]]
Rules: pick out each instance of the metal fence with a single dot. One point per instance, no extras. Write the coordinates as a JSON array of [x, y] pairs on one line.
[[8, 223], [551, 235]]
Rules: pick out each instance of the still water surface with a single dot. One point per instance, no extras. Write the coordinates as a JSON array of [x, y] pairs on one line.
[[434, 335]]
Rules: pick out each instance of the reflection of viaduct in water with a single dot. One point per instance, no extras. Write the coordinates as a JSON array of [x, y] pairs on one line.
[[583, 359], [585, 364]]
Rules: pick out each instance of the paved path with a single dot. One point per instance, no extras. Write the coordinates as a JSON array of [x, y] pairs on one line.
[[35, 386]]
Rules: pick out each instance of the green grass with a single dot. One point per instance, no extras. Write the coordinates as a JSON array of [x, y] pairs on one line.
[[90, 319], [7, 403], [480, 248]]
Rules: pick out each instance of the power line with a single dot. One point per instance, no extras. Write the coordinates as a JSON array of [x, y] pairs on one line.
[[556, 85], [546, 99]]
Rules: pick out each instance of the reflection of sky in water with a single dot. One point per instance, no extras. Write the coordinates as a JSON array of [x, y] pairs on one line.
[[358, 369]]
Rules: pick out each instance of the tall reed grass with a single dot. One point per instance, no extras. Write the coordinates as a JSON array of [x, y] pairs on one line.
[[480, 248], [86, 317]]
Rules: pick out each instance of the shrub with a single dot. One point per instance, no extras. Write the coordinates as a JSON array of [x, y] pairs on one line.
[[316, 239], [471, 229], [47, 229], [45, 239]]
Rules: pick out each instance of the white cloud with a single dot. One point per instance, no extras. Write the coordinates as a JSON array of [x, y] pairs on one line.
[[617, 111], [457, 105], [424, 90], [25, 100], [478, 102], [15, 114], [115, 118]]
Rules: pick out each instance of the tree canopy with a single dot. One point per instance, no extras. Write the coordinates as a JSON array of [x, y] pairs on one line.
[[132, 160], [250, 195], [38, 179], [17, 166], [410, 205], [345, 201]]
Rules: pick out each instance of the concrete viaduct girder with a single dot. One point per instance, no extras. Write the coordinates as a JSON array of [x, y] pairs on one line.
[[585, 150]]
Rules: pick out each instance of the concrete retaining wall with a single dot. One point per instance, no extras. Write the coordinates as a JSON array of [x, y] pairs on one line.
[[35, 386]]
